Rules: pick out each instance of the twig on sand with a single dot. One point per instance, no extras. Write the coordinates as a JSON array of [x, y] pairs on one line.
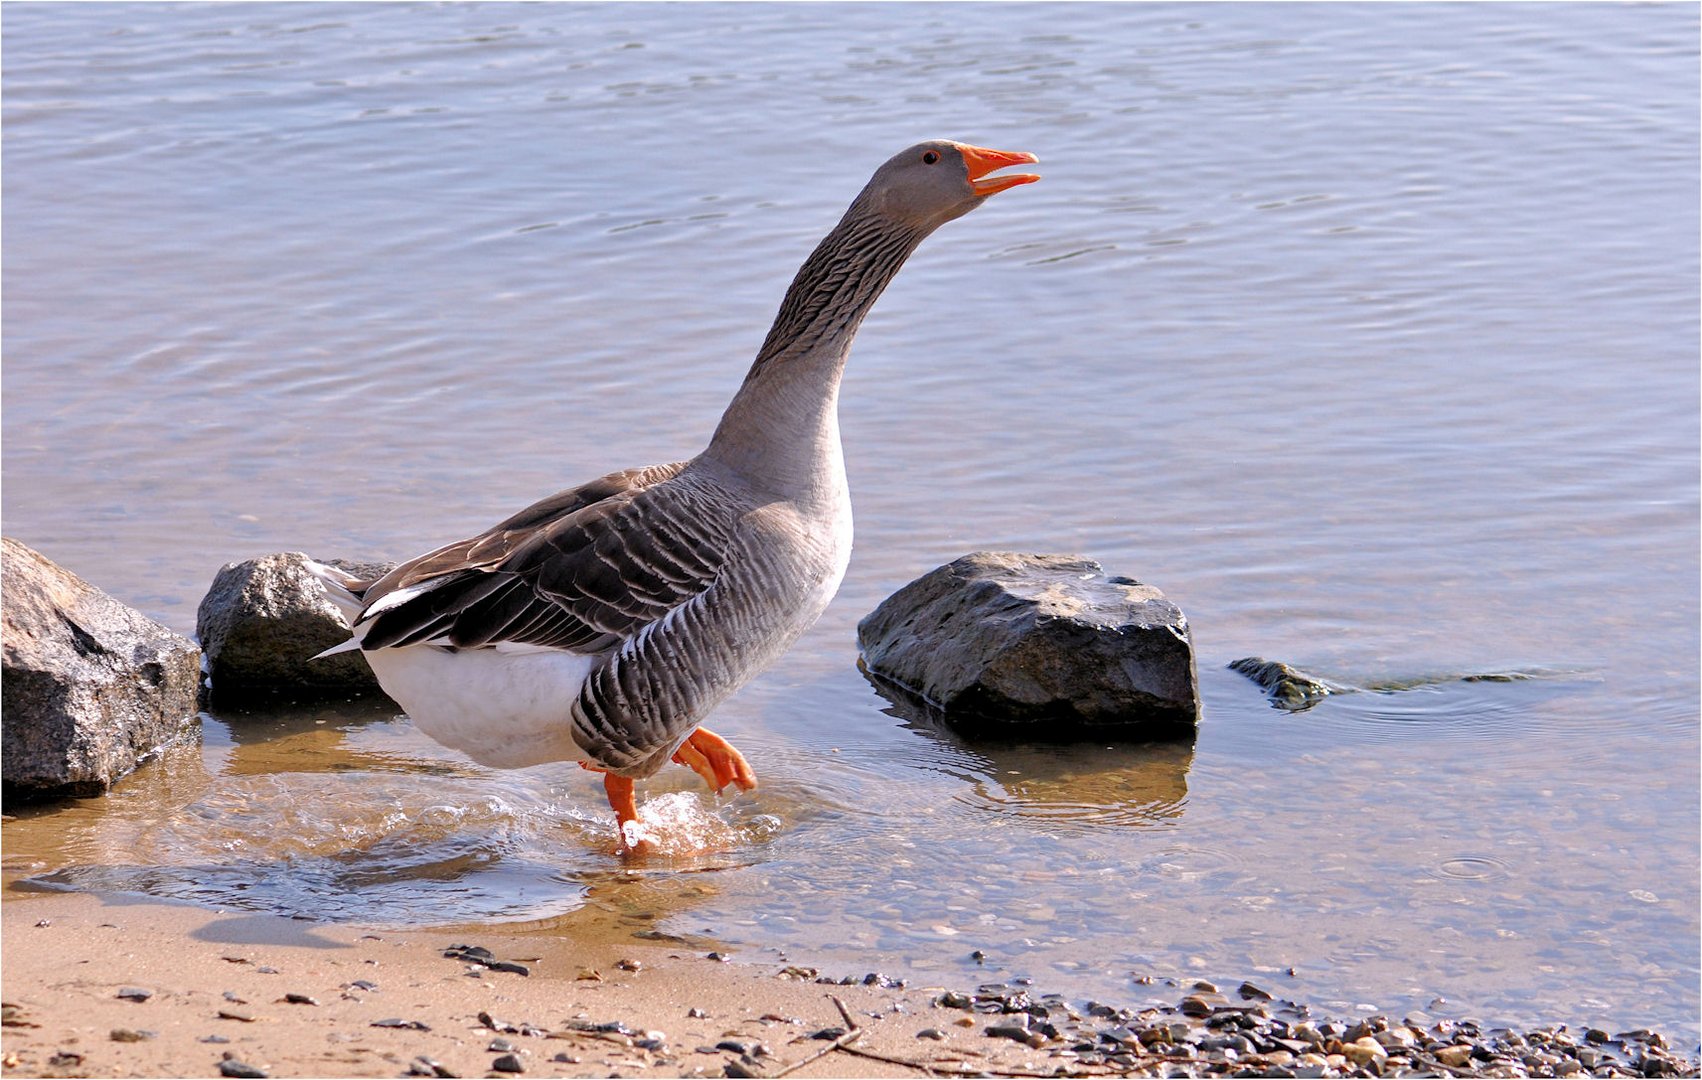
[[852, 1033], [845, 1014], [927, 1068]]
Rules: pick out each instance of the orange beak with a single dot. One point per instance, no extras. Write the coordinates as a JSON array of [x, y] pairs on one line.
[[982, 161]]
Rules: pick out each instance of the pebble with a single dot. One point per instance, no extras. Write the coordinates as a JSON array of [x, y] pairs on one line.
[[1017, 1029], [1364, 1051], [398, 1022], [299, 999], [135, 993], [1395, 1039], [424, 1066], [504, 1026], [130, 1035], [233, 1067], [508, 1063], [1201, 1004], [478, 954]]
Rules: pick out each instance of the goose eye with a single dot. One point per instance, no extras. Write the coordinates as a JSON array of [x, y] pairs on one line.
[[930, 157]]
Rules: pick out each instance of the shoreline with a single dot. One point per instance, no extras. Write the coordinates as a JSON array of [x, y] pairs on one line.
[[115, 985]]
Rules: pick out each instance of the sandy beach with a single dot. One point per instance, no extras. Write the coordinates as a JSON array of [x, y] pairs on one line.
[[114, 986], [292, 998]]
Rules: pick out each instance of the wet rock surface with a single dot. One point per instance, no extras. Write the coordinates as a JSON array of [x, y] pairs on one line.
[[91, 687], [1038, 644], [264, 620]]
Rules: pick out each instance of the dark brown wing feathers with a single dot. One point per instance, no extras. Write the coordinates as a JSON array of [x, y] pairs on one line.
[[580, 570]]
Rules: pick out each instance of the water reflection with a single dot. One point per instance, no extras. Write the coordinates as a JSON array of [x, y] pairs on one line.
[[1085, 783]]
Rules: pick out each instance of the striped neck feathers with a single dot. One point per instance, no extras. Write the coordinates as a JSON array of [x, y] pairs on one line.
[[780, 424]]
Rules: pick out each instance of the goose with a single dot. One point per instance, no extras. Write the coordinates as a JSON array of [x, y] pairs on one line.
[[602, 624]]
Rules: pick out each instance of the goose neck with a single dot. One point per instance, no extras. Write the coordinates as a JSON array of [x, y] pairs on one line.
[[781, 429]]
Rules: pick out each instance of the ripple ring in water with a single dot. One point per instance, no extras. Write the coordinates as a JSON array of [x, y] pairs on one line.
[[1474, 868]]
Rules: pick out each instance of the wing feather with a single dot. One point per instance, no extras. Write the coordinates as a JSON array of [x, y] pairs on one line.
[[582, 570]]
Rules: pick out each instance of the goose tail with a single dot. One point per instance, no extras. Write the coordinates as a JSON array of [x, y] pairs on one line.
[[344, 590]]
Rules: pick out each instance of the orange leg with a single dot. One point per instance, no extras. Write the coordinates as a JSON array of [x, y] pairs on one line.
[[625, 804], [713, 758]]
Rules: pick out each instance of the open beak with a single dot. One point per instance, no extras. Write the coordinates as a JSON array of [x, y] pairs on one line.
[[982, 161]]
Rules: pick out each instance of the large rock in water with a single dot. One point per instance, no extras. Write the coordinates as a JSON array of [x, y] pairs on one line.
[[264, 620], [90, 687], [1049, 642]]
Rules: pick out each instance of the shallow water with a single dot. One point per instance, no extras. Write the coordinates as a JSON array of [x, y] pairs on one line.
[[1369, 334]]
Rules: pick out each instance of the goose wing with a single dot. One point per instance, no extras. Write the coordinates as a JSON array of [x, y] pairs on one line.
[[582, 570]]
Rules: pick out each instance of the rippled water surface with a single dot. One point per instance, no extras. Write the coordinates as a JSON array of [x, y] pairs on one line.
[[1368, 333]]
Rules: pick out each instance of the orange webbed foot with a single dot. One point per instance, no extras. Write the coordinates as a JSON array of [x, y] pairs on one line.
[[714, 758]]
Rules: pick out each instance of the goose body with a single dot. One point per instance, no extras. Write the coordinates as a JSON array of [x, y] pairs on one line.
[[602, 624]]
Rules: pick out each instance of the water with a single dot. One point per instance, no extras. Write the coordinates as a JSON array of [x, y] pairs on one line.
[[1369, 334]]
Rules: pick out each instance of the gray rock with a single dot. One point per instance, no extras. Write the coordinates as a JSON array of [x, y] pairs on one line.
[[1045, 642], [91, 687], [265, 619]]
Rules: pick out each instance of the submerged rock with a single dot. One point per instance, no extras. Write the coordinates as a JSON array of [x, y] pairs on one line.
[[1293, 690], [264, 620], [1289, 688], [91, 686], [1047, 643]]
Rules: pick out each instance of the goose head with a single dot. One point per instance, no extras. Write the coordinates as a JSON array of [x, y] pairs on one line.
[[933, 182]]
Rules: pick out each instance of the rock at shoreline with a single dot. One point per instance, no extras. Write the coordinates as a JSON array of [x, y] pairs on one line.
[[264, 620], [91, 687], [1045, 643]]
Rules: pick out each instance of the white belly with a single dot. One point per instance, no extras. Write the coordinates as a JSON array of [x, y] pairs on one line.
[[503, 708]]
